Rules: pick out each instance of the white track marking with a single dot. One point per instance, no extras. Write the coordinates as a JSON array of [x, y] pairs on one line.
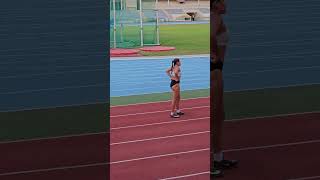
[[306, 178], [161, 123], [56, 107], [272, 146], [53, 169], [185, 176], [271, 87], [52, 138], [272, 116], [88, 134], [226, 151], [158, 138], [153, 112], [230, 121], [159, 156]]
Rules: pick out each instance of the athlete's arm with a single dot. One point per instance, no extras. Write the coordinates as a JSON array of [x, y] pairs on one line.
[[168, 72], [177, 71]]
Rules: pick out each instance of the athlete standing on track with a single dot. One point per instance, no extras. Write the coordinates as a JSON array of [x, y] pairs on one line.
[[174, 73], [219, 40]]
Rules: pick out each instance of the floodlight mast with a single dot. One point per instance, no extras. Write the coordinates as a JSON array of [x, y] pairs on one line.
[[157, 25], [114, 25], [141, 22]]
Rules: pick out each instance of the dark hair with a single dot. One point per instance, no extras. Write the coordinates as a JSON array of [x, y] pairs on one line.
[[174, 62]]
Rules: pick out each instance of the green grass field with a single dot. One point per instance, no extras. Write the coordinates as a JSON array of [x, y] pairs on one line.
[[188, 39], [114, 101]]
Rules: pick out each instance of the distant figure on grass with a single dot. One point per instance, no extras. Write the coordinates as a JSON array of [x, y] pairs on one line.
[[174, 73], [219, 41]]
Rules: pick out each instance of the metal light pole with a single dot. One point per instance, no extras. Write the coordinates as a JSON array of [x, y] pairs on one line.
[[141, 22], [114, 25]]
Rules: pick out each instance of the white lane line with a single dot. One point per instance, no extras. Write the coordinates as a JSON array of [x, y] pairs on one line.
[[56, 106], [185, 176], [272, 146], [306, 178], [226, 151], [52, 138], [53, 169], [159, 138], [160, 156], [51, 89], [153, 112], [272, 70], [272, 116], [231, 120], [183, 100], [161, 123], [88, 134], [47, 74], [229, 150], [271, 87], [152, 157]]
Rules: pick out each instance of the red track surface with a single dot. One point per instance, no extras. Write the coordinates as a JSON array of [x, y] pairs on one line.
[[118, 52], [157, 48], [78, 157], [147, 144]]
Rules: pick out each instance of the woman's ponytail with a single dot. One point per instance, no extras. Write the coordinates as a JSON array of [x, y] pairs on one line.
[[172, 65]]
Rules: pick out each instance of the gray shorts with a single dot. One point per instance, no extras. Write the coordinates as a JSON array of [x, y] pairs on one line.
[[223, 38]]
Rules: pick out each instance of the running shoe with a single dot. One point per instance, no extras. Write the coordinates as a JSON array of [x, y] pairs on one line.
[[180, 113], [174, 115], [215, 173]]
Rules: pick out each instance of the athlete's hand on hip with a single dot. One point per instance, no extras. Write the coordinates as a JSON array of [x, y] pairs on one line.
[[213, 58]]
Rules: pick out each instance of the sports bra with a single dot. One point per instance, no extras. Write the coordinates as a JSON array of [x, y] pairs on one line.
[[173, 74]]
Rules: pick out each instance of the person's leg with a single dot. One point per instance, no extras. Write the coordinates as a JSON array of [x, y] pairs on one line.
[[178, 97], [220, 116], [174, 102], [216, 113], [179, 112], [218, 99], [222, 52]]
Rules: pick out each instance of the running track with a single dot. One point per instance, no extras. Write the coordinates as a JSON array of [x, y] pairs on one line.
[[147, 144]]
